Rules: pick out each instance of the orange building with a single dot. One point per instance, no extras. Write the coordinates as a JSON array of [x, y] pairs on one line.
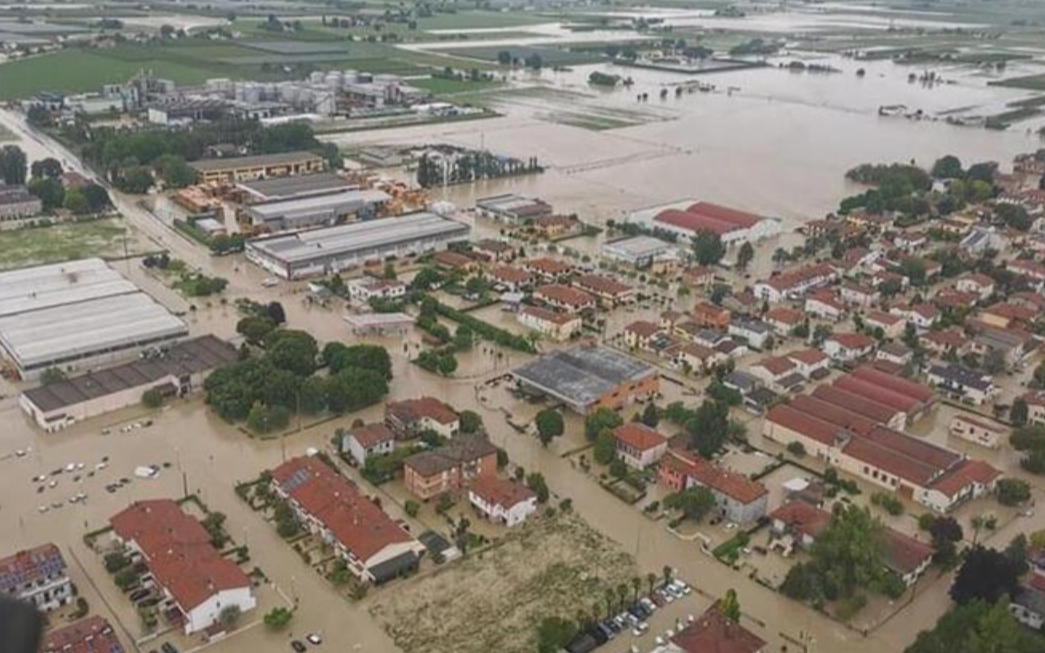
[[449, 468]]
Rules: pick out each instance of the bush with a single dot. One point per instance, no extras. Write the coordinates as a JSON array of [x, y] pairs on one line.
[[125, 578], [412, 507], [888, 502], [796, 449], [152, 398], [115, 562], [1013, 491], [278, 618]]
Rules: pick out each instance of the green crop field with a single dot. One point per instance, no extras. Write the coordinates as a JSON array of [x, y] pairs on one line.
[[1031, 82], [62, 242], [449, 87], [482, 19]]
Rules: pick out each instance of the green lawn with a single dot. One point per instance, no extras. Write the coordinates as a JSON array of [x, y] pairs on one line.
[[448, 87], [1031, 82], [61, 242]]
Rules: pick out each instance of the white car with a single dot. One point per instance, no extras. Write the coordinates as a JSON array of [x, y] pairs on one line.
[[53, 484], [640, 629], [314, 638], [101, 466], [20, 453], [71, 467], [43, 508], [39, 479]]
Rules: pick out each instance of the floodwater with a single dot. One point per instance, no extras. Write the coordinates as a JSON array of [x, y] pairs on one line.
[[778, 143]]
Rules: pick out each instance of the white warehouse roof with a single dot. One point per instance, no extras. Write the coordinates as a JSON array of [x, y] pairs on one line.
[[32, 289]]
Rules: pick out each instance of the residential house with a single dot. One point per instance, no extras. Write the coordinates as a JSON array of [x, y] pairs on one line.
[[945, 341], [509, 279], [1014, 345], [38, 577], [363, 290], [895, 353], [825, 305], [911, 241], [698, 277], [556, 326], [1028, 604], [455, 261], [709, 316], [810, 363], [554, 226], [794, 283], [957, 301], [640, 334], [848, 347], [1028, 299], [977, 283], [1035, 407], [501, 500], [90, 635], [784, 320], [374, 547], [369, 440], [1004, 315], [669, 318], [409, 417], [922, 316], [714, 632], [494, 251], [549, 270], [1028, 268], [697, 358], [638, 445], [778, 373], [449, 468], [564, 298], [977, 430], [610, 292], [756, 333], [856, 294], [963, 383], [195, 582], [739, 499], [892, 326]]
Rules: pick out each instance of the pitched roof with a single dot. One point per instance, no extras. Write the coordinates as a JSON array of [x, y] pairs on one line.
[[713, 632], [509, 274], [695, 222], [371, 435], [602, 284], [178, 551], [784, 315], [549, 316], [638, 436], [904, 554], [409, 410], [564, 295], [352, 518], [802, 518], [895, 383], [90, 635], [549, 266], [776, 365], [501, 492], [642, 328], [724, 213], [794, 277], [878, 393], [808, 356], [969, 471], [852, 340], [462, 449], [29, 566], [869, 408], [805, 424], [827, 412]]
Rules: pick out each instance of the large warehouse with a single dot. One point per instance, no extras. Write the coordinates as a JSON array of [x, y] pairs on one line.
[[316, 210], [332, 249], [687, 218], [77, 316]]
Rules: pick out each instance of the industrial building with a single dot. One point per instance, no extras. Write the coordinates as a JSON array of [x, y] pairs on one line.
[[316, 210], [77, 316], [687, 218], [175, 371], [513, 209], [589, 377], [288, 188], [332, 249], [642, 252], [241, 168]]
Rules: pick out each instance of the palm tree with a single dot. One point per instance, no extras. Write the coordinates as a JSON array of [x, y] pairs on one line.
[[611, 596], [622, 594], [668, 573], [651, 578], [636, 585]]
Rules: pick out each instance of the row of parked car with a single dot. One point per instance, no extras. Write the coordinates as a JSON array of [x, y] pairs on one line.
[[633, 619]]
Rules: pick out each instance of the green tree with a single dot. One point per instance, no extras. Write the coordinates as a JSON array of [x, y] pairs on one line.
[[729, 606], [292, 350], [13, 168], [650, 415], [987, 575], [605, 449], [694, 503], [1013, 491], [174, 170], [948, 167], [602, 420], [977, 627], [49, 167], [708, 248], [745, 255], [1019, 412], [76, 202], [255, 328], [52, 375], [50, 192], [471, 422], [554, 634], [152, 398], [535, 481], [550, 425]]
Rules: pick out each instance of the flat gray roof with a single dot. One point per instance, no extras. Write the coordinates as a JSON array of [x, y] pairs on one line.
[[286, 187], [508, 203], [318, 203], [226, 163], [344, 239], [50, 336], [638, 245], [31, 289], [582, 374], [188, 357]]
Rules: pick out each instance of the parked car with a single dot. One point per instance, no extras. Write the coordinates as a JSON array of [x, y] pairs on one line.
[[138, 595], [658, 599], [168, 648], [640, 629], [314, 638], [606, 631], [298, 646], [613, 625], [648, 603]]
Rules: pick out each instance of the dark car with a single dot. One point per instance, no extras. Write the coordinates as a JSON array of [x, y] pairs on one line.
[[298, 646], [168, 648], [612, 625], [138, 595]]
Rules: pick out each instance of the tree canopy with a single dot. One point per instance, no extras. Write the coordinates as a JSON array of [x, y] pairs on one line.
[[986, 575], [977, 627]]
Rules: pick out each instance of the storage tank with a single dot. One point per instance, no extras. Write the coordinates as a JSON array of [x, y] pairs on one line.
[[335, 79], [316, 77]]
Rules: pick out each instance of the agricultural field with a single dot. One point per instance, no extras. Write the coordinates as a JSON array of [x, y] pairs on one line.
[[1029, 82], [450, 87], [550, 56], [584, 110], [482, 20], [493, 599], [64, 242]]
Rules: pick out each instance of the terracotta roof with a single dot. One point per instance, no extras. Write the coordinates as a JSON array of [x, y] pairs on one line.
[[501, 492], [912, 447], [709, 312], [1012, 311], [460, 450], [867, 407], [549, 316], [891, 461], [882, 318], [713, 632], [879, 393], [452, 259], [808, 356], [1034, 398], [827, 297], [802, 518], [789, 279], [563, 295], [492, 245], [895, 383], [979, 279], [852, 340], [372, 434], [805, 424], [695, 222], [178, 551], [642, 328], [724, 213], [784, 315], [732, 484], [600, 284], [508, 274], [330, 498], [549, 266], [946, 338], [967, 472], [638, 436], [776, 365], [827, 412], [29, 566], [904, 554], [90, 635], [411, 410]]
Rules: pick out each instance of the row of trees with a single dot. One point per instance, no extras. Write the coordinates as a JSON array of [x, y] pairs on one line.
[[43, 179]]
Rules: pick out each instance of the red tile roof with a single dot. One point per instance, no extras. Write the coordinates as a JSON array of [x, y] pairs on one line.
[[895, 383], [828, 412], [946, 338], [638, 436], [912, 447], [501, 492], [867, 407], [695, 222], [452, 259], [1034, 398], [903, 553], [776, 365], [713, 632], [802, 518], [726, 214], [808, 356], [549, 266], [411, 410], [879, 393], [549, 316], [804, 424], [784, 315], [979, 279], [968, 472], [561, 294], [372, 434], [883, 318], [642, 328], [352, 518], [508, 274], [852, 340], [732, 484], [90, 635], [794, 277], [891, 461], [602, 285], [178, 551]]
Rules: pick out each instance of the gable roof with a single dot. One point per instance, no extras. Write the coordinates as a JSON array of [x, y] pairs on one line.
[[501, 492], [713, 632], [638, 436]]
